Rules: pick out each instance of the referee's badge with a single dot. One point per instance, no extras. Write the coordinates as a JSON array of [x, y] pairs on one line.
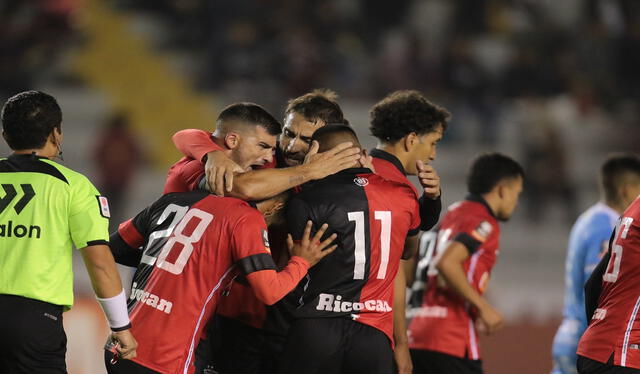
[[104, 207]]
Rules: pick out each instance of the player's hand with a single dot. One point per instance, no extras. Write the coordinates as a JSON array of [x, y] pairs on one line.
[[312, 249], [429, 179], [366, 160], [125, 343], [403, 358], [338, 158], [490, 320], [219, 170]]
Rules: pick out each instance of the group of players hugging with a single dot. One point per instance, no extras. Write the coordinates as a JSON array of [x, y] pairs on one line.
[[289, 249]]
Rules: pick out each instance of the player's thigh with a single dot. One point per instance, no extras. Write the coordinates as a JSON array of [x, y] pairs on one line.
[[314, 346], [588, 366], [368, 351], [430, 362], [124, 366], [240, 349], [33, 338]]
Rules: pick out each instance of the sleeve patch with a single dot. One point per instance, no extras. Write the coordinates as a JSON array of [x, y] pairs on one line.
[[265, 240], [482, 232], [103, 205]]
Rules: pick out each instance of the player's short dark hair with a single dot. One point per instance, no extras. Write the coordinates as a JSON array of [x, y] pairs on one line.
[[614, 170], [487, 170], [332, 134], [28, 119], [250, 113], [404, 112], [317, 105]]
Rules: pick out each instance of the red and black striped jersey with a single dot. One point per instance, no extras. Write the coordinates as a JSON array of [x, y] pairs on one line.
[[372, 217], [188, 247], [615, 325], [442, 320]]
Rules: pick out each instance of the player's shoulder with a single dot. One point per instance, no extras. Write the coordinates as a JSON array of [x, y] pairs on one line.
[[598, 219], [71, 177]]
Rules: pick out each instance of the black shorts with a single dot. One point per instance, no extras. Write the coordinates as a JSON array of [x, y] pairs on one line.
[[243, 349], [589, 366], [335, 345], [124, 366], [432, 362], [32, 339]]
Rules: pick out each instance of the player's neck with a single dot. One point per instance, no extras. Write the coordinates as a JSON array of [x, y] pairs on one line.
[[615, 205], [396, 150], [493, 201]]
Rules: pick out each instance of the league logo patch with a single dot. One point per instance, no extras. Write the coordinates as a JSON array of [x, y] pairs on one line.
[[265, 240], [360, 181], [103, 204], [481, 233]]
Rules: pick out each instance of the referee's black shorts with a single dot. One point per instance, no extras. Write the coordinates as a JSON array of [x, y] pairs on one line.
[[589, 366], [334, 346], [432, 362], [32, 339]]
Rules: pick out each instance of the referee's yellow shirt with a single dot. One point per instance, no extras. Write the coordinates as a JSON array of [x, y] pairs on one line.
[[44, 209]]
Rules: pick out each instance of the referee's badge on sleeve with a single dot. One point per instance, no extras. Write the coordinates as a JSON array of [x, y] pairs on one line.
[[104, 207]]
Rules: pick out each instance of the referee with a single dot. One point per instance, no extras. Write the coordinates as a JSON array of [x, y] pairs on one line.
[[46, 208]]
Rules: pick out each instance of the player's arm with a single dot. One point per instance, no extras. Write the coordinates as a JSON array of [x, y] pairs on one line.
[[431, 200], [450, 267], [270, 286], [265, 183], [401, 350], [593, 285]]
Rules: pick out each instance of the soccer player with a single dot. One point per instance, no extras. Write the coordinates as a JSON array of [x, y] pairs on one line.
[[442, 333], [45, 210], [252, 334], [610, 343], [408, 128], [619, 186], [343, 315], [188, 247]]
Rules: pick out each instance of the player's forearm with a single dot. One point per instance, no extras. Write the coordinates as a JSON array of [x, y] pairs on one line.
[[271, 286], [456, 279], [399, 308], [429, 212], [266, 183], [102, 270], [194, 143]]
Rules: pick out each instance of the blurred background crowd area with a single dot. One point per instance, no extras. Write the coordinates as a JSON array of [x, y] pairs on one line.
[[553, 83]]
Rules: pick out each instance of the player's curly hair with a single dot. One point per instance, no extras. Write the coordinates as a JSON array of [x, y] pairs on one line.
[[320, 104], [404, 112]]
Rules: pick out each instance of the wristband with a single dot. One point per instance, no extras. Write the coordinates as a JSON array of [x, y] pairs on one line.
[[115, 308]]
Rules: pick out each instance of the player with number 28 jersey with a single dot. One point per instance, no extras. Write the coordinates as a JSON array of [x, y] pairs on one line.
[[188, 247]]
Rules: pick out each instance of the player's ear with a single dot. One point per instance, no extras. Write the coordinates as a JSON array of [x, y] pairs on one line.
[[232, 140], [409, 140]]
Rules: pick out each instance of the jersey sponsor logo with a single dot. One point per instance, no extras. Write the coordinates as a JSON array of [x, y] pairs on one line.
[[481, 233], [361, 181], [334, 303], [150, 299], [432, 311], [103, 204], [9, 230], [11, 193]]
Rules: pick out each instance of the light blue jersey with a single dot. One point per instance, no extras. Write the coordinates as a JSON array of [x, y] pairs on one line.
[[587, 243]]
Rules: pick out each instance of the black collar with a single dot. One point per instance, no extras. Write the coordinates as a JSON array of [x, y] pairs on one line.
[[22, 156], [479, 199], [355, 171], [379, 153]]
